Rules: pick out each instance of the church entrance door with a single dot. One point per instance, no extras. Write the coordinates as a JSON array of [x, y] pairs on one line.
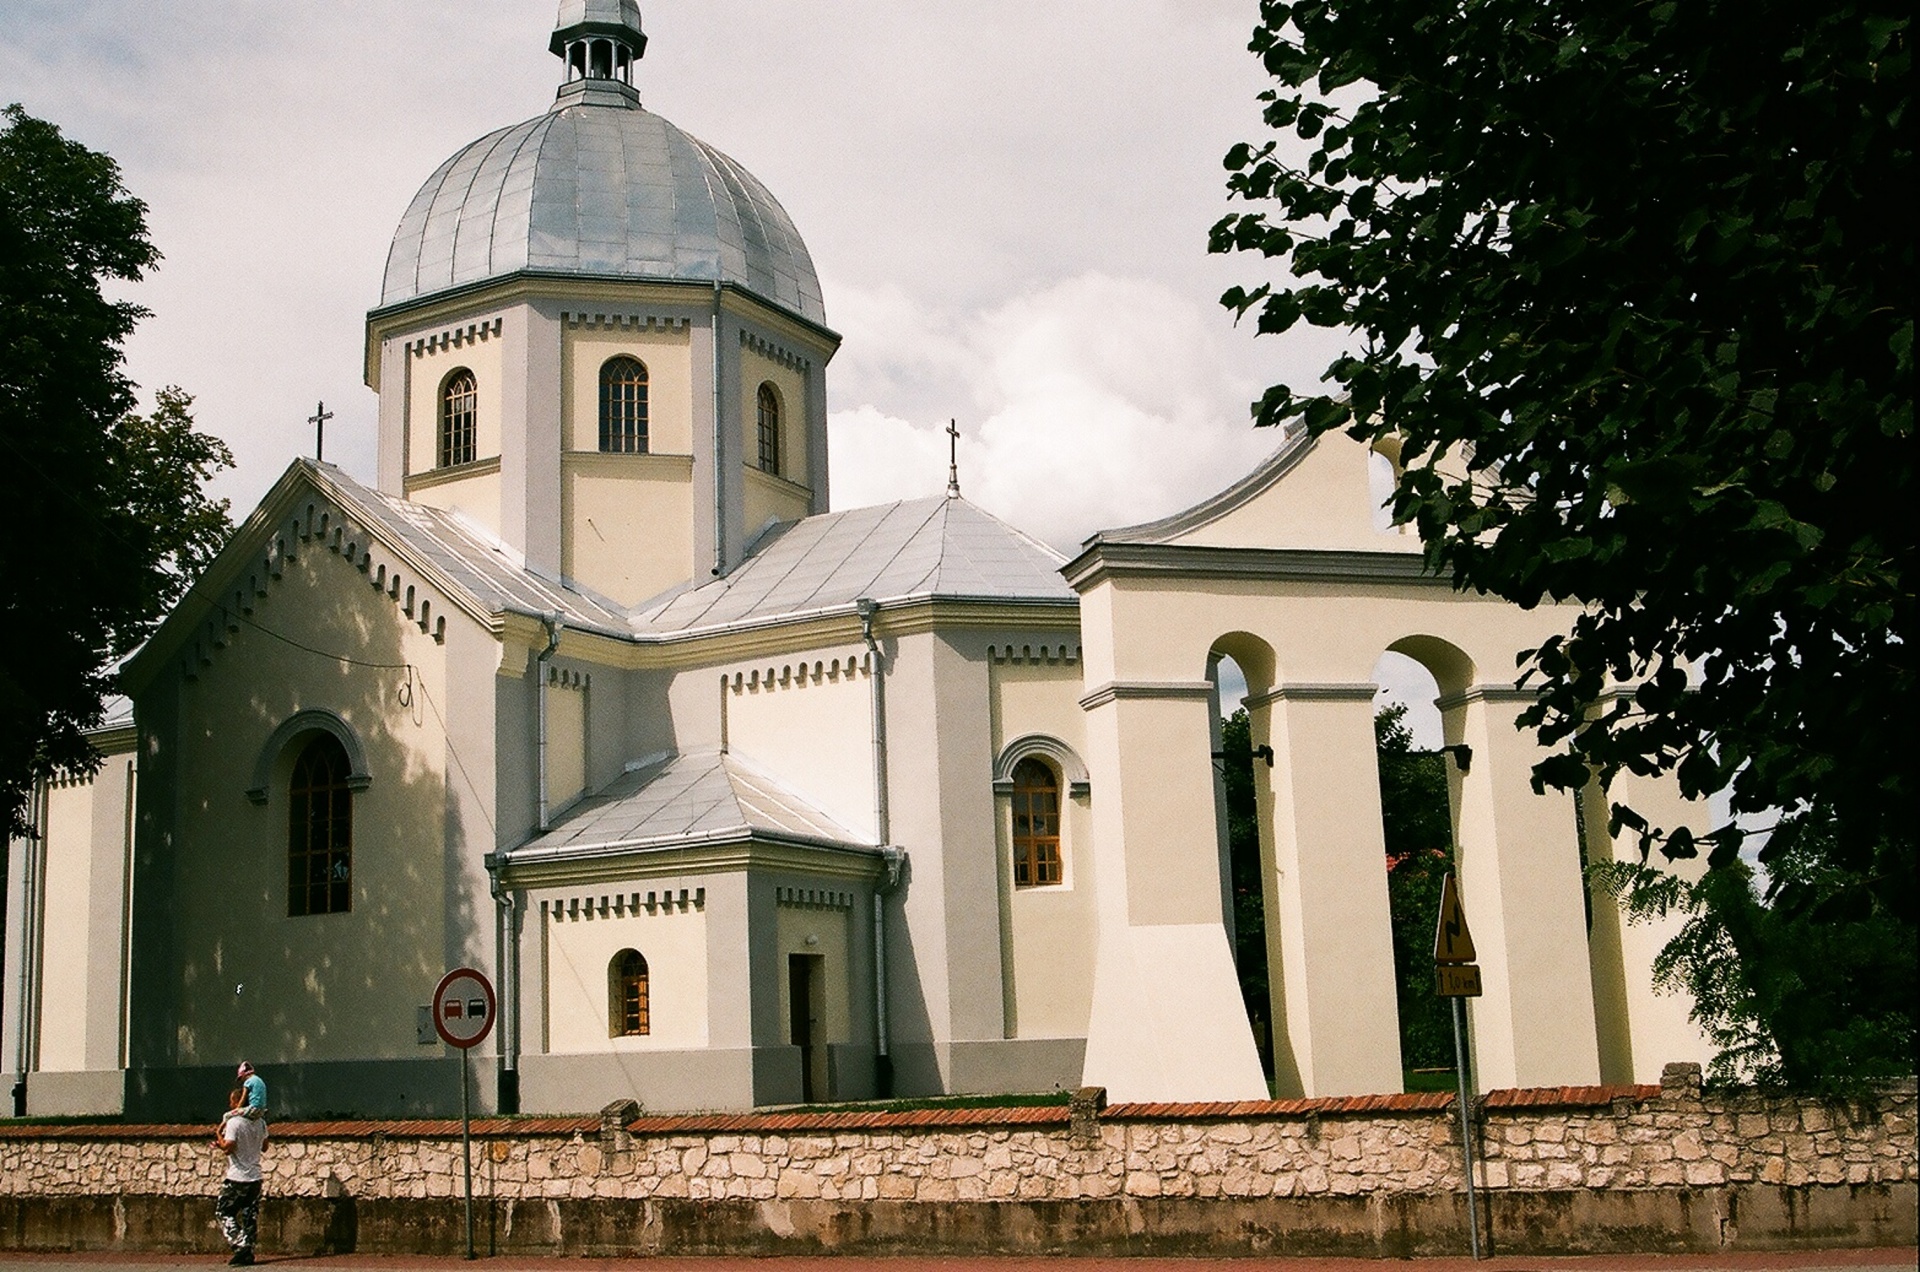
[[806, 1007]]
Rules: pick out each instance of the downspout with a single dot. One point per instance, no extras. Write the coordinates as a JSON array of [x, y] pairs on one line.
[[506, 942], [719, 451], [890, 854], [29, 916], [552, 623]]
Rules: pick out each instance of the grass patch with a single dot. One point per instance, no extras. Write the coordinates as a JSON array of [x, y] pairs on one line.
[[1421, 1081]]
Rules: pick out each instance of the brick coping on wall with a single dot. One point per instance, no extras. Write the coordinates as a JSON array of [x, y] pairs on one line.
[[867, 1120]]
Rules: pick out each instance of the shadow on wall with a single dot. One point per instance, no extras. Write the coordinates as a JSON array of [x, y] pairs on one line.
[[225, 965]]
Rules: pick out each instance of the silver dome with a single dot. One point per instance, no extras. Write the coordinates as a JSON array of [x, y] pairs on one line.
[[598, 188]]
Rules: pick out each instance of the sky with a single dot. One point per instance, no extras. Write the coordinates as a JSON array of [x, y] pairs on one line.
[[1007, 203]]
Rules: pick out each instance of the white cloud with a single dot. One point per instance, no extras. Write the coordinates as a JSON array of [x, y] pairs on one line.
[[1095, 402], [975, 184]]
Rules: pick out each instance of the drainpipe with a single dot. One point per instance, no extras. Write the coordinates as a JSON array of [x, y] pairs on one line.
[[719, 450], [506, 958], [29, 925], [552, 623], [890, 854]]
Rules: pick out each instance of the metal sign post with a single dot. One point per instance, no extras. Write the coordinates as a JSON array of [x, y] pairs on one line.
[[463, 1010], [1457, 977]]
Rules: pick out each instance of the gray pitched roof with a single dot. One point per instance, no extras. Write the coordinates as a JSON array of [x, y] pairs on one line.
[[469, 557], [922, 548], [704, 796]]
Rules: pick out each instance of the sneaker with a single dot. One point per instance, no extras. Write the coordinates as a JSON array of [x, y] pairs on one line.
[[242, 1258]]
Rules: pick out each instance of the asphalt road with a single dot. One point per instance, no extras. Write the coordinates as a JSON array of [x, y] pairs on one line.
[[1796, 1261]]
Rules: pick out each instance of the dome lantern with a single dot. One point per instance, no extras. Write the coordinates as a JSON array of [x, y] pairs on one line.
[[599, 39]]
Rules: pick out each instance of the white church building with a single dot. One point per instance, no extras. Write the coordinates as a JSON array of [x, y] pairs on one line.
[[741, 800]]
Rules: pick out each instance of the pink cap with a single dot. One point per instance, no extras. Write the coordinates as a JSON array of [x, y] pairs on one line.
[[245, 1070]]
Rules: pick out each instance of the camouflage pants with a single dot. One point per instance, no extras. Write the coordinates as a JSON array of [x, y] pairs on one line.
[[238, 1209]]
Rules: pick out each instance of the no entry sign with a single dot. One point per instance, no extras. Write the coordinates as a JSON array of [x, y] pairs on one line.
[[463, 1007]]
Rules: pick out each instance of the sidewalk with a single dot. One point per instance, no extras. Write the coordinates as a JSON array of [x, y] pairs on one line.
[[1792, 1261]]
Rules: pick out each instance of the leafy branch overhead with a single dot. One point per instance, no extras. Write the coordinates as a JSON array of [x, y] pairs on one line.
[[115, 522], [1631, 287], [1629, 291]]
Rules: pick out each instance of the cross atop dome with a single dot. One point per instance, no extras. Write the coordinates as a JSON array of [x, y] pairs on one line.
[[599, 39]]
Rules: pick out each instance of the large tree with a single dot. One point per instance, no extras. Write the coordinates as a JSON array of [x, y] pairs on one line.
[[1630, 288], [107, 511]]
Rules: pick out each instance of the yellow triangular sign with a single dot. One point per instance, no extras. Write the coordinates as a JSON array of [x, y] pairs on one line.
[[1452, 943]]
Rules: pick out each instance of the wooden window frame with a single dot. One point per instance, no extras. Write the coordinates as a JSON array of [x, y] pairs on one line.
[[459, 436], [623, 405], [320, 830], [767, 413], [1038, 859], [629, 995]]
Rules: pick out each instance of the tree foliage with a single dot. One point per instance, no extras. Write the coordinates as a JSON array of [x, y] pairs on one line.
[[109, 516], [1418, 827], [1631, 289], [1797, 977]]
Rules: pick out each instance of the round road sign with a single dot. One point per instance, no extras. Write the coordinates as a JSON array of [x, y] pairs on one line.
[[463, 1007]]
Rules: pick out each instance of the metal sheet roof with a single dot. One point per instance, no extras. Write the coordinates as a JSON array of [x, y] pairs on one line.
[[598, 187], [703, 796], [922, 548], [470, 557]]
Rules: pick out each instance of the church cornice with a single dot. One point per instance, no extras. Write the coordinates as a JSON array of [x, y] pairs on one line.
[[455, 337], [682, 301], [774, 351], [731, 851], [1102, 562], [778, 638]]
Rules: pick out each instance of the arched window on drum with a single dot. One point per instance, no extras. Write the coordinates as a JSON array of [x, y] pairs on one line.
[[623, 406], [459, 419], [772, 458]]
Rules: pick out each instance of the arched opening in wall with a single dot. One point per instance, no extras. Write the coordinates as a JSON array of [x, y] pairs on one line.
[[1417, 822], [1239, 667]]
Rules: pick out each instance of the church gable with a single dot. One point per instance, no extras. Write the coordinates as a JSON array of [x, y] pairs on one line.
[[301, 533], [1311, 493]]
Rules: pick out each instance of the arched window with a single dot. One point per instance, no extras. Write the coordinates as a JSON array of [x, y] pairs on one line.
[[768, 430], [623, 407], [320, 830], [459, 420], [1036, 825], [627, 1009]]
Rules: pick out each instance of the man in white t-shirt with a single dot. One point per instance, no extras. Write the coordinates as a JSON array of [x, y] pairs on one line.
[[241, 1138]]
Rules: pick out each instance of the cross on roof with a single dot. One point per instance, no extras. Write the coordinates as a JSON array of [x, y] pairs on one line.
[[319, 420], [953, 459]]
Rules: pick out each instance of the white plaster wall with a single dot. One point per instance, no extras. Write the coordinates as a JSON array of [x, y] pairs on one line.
[[69, 975], [808, 721], [1052, 930], [667, 355], [250, 980], [790, 385], [825, 931], [567, 706], [426, 374], [770, 499], [1327, 505], [578, 951], [476, 497], [629, 523]]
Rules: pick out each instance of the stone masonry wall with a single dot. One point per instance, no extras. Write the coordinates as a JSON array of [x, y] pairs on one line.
[[1638, 1140], [1590, 1138]]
